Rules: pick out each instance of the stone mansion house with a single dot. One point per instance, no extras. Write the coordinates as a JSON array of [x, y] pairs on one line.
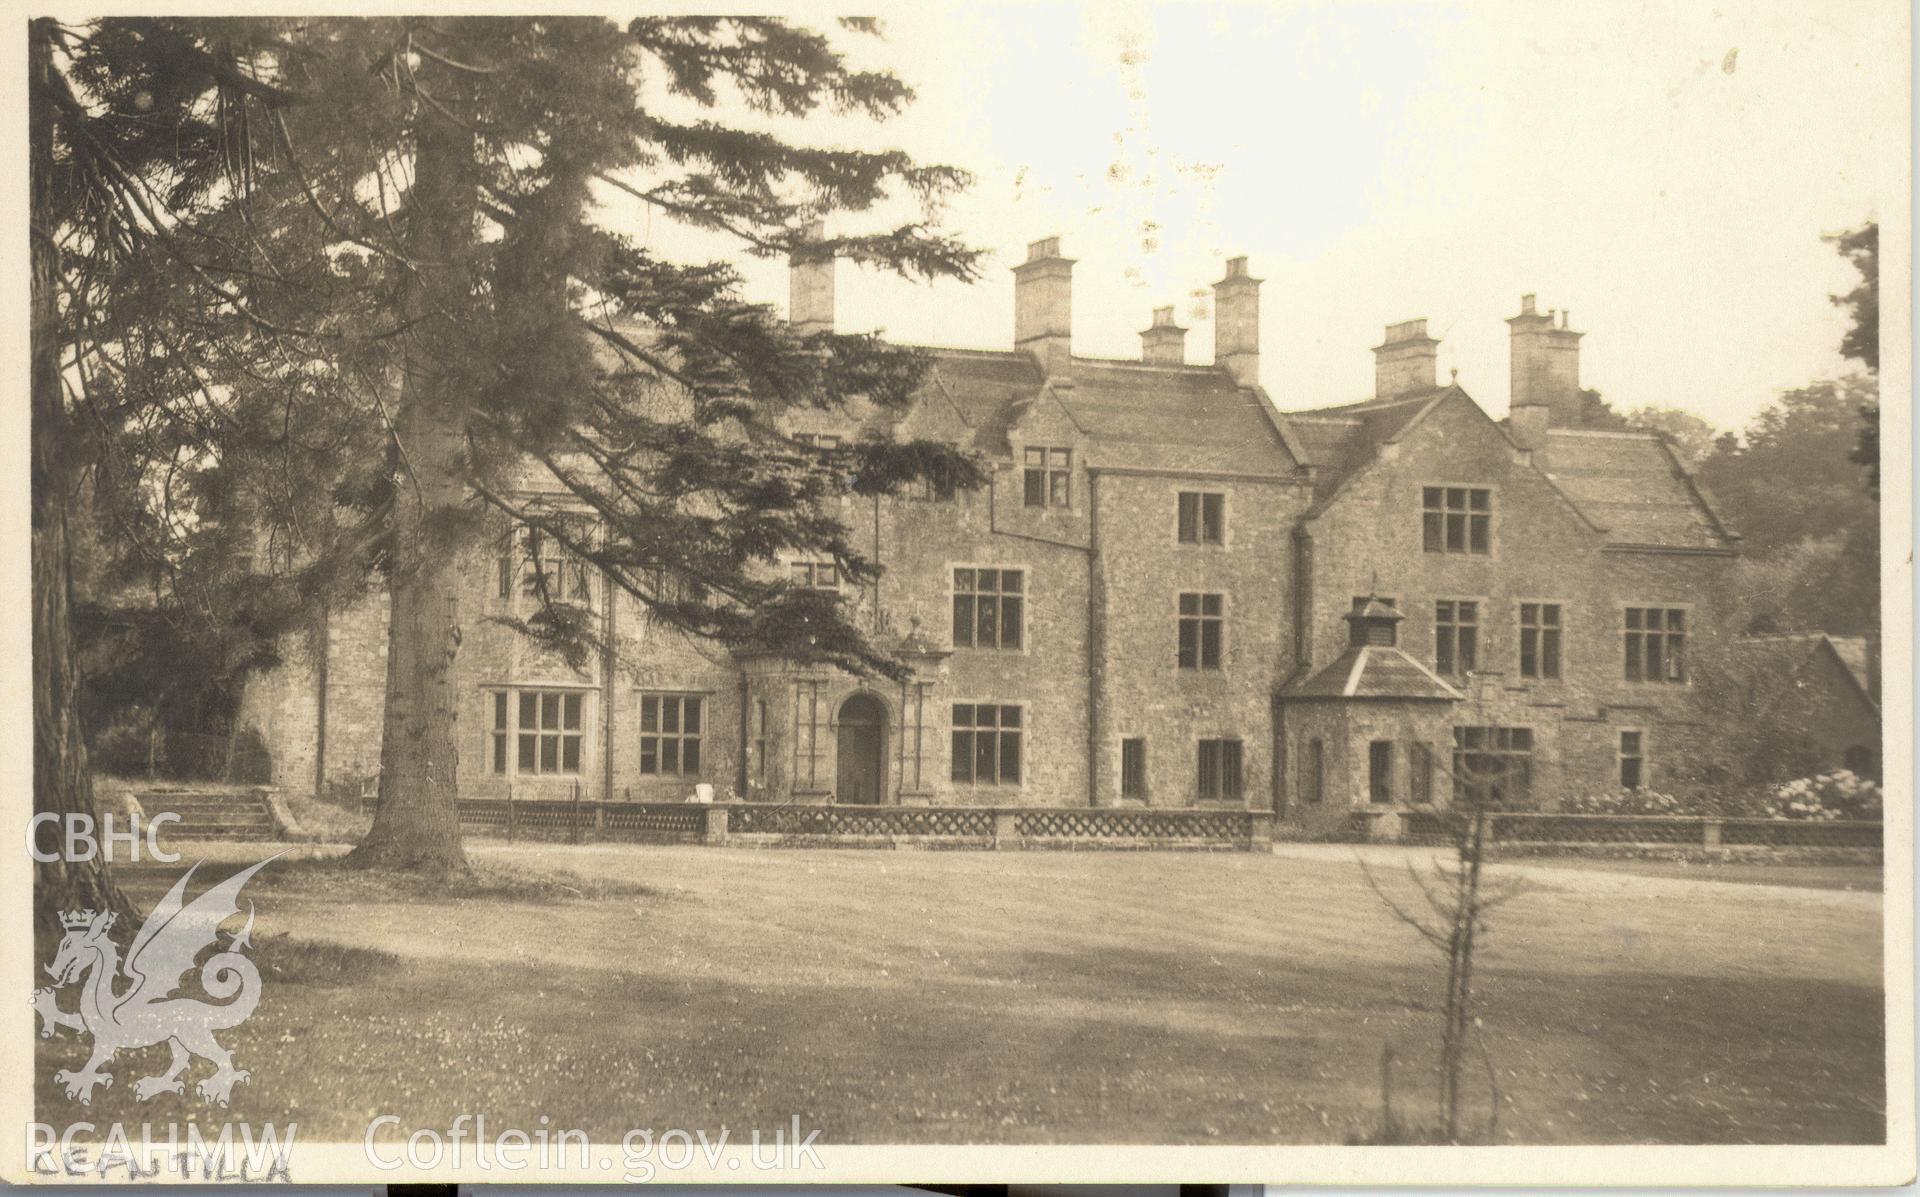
[[1171, 593]]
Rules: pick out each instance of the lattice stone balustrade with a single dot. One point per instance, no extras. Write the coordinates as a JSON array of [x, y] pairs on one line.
[[828, 824], [1545, 827]]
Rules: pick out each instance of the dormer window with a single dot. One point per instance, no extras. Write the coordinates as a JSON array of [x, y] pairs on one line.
[[1203, 517], [1049, 477], [542, 565], [1456, 519]]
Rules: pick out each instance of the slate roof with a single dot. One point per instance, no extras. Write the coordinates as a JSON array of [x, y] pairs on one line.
[[1338, 441], [1193, 418], [1196, 418], [1633, 485], [1630, 484], [988, 389], [1374, 671]]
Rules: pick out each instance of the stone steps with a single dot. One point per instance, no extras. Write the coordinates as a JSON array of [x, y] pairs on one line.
[[213, 814]]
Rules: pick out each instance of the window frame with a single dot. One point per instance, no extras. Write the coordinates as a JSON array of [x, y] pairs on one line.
[[1133, 773], [1198, 524], [1380, 756], [1445, 668], [1668, 637], [1463, 747], [1436, 521], [510, 740], [973, 594], [1000, 732], [1313, 772], [1227, 772], [805, 573], [760, 741], [1053, 471], [1202, 621], [519, 560], [1640, 757], [1560, 639], [659, 737], [1419, 773]]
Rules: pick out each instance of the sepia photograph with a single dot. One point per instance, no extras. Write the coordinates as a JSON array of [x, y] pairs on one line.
[[1038, 592]]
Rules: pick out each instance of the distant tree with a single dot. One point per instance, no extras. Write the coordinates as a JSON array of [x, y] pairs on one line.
[[1861, 247], [1788, 476], [1596, 412], [1690, 435], [1829, 584], [1812, 534]]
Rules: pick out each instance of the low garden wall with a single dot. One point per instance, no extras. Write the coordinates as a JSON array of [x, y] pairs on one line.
[[828, 825], [1677, 831]]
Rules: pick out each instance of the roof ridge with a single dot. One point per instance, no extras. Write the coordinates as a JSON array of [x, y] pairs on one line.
[[977, 350], [1136, 363], [1613, 433], [1376, 403]]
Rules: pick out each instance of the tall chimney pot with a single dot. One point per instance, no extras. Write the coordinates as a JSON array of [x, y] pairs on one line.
[[1043, 305], [1165, 343], [1406, 361], [1236, 323], [1544, 357], [810, 286]]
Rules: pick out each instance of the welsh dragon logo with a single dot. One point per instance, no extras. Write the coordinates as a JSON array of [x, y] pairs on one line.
[[145, 1012]]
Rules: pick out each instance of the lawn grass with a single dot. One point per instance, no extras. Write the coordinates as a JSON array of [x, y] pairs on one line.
[[1856, 877], [1023, 997]]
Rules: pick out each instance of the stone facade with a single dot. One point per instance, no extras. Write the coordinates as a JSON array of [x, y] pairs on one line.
[[1183, 555]]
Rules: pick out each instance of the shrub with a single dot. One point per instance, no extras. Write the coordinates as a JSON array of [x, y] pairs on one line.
[[1840, 794], [1636, 802]]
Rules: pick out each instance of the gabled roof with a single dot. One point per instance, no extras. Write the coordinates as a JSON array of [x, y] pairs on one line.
[[986, 388], [1374, 671], [1193, 418], [1854, 654], [1793, 651], [1347, 438], [1630, 485], [1633, 485]]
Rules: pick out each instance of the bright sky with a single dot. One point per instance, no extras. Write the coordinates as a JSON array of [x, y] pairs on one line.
[[1662, 170]]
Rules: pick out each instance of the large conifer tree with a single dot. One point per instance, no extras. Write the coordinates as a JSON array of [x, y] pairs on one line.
[[127, 131], [414, 300]]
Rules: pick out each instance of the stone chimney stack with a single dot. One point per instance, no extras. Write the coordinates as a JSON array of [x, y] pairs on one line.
[[810, 286], [1545, 363], [1527, 426], [1043, 305], [1406, 361], [1236, 323], [1165, 344]]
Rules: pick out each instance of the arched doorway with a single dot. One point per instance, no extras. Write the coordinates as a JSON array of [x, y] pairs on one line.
[[861, 772]]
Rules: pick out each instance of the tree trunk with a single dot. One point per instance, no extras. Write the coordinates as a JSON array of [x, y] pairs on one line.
[[417, 824], [62, 781]]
